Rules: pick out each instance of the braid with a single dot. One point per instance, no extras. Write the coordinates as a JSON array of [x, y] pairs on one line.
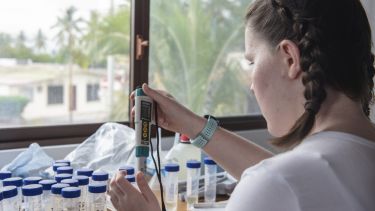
[[335, 51], [306, 35], [370, 96]]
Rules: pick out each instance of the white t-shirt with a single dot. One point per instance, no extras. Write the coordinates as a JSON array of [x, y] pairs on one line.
[[330, 171]]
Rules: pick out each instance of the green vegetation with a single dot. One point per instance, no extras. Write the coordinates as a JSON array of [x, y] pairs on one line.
[[11, 107], [191, 42], [83, 42], [192, 51]]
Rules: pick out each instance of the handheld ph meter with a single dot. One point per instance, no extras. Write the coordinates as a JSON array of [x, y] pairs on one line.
[[143, 119], [145, 116]]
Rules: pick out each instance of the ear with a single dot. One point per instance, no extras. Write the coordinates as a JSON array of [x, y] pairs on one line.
[[291, 56]]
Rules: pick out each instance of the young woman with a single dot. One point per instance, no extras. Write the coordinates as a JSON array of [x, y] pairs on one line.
[[312, 75]]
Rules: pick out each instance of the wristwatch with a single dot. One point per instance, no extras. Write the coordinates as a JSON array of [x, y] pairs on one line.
[[206, 134]]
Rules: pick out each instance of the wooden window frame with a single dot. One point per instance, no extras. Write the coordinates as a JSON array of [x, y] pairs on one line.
[[76, 133]]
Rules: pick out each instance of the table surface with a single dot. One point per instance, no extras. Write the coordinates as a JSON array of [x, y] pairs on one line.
[[182, 206]]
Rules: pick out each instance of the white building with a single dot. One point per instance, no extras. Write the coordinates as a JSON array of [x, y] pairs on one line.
[[46, 86]]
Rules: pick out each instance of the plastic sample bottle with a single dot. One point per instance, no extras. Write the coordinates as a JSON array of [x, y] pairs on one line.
[[32, 195], [57, 165], [71, 197], [56, 196], [31, 180], [11, 200], [96, 197], [70, 182], [83, 182], [171, 186], [60, 177], [210, 169], [47, 201], [15, 181], [63, 161], [100, 177], [4, 175], [181, 153], [192, 185], [85, 172], [65, 170], [129, 169]]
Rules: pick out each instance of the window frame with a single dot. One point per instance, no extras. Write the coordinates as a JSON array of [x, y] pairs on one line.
[[20, 137]]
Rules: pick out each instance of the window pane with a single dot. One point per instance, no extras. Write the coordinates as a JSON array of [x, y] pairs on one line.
[[64, 61], [55, 95], [92, 94], [196, 54]]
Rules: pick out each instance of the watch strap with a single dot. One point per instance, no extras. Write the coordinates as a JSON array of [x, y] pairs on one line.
[[206, 134]]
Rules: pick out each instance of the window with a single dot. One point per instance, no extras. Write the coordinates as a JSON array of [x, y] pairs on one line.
[[55, 95], [87, 48], [92, 92], [69, 43], [196, 54]]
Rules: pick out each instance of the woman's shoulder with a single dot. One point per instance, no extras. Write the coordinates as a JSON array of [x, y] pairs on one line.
[[290, 163], [336, 139], [325, 151], [328, 169]]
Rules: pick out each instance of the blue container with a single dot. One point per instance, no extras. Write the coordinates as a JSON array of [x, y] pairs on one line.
[[70, 182], [13, 181], [71, 192], [56, 188], [47, 184], [60, 177], [32, 190], [31, 180], [85, 172]]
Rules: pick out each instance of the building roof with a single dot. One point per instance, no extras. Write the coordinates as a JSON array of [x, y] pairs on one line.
[[37, 73]]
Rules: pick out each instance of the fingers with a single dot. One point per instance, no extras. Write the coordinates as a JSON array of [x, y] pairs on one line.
[[114, 199], [123, 184], [155, 95], [132, 113], [115, 191], [118, 184], [144, 188], [132, 95]]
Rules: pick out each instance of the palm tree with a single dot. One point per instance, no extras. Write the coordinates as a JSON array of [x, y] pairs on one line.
[[67, 36], [40, 41], [22, 52], [6, 49], [109, 35], [190, 44], [21, 40], [91, 37]]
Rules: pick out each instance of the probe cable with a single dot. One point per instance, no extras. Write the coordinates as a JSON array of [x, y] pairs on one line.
[[158, 167]]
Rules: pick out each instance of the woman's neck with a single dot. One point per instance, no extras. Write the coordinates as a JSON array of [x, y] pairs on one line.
[[340, 113]]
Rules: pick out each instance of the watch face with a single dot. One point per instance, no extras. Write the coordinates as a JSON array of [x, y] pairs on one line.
[[211, 117]]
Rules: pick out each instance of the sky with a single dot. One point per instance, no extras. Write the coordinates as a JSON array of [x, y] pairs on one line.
[[30, 15]]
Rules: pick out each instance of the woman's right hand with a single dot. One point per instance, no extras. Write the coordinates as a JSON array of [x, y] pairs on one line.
[[172, 115]]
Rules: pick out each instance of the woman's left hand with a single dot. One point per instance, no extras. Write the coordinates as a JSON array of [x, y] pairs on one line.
[[125, 197]]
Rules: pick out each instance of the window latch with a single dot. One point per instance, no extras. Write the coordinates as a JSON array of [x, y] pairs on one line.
[[140, 47]]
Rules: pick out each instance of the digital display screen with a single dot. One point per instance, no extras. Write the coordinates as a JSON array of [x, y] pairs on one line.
[[146, 111]]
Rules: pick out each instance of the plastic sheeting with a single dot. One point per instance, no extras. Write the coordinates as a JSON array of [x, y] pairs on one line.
[[110, 147], [31, 162]]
